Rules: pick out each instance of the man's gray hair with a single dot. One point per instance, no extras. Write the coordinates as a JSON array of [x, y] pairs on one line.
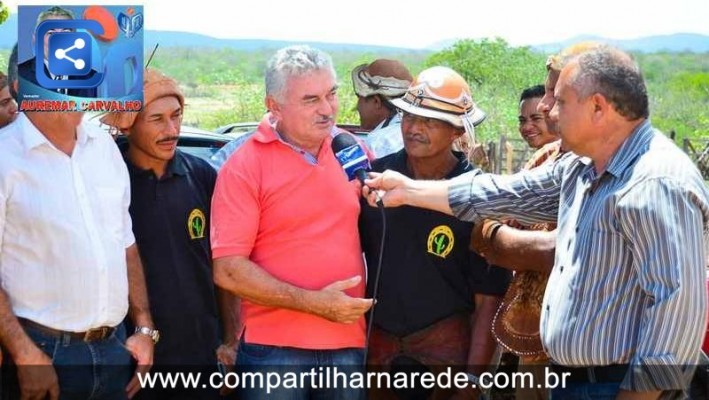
[[54, 12], [294, 61], [614, 75]]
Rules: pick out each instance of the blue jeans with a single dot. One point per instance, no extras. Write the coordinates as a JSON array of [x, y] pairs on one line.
[[283, 363], [85, 370], [586, 391]]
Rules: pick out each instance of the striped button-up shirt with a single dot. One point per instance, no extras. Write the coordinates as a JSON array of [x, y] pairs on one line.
[[628, 279]]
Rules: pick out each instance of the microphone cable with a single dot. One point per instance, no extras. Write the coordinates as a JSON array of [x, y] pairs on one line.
[[377, 275]]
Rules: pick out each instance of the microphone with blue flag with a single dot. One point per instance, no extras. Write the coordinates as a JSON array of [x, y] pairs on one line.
[[351, 156]]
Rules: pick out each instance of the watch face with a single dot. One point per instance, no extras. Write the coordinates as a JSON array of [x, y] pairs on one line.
[[153, 334]]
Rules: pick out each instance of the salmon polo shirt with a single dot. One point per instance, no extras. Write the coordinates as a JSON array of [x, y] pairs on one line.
[[297, 219]]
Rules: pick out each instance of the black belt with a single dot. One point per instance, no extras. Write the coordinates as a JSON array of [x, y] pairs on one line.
[[91, 335], [605, 374]]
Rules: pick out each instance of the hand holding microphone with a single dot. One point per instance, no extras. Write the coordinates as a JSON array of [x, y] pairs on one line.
[[354, 161], [388, 188]]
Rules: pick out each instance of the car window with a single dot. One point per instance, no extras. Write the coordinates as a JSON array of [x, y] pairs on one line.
[[202, 148]]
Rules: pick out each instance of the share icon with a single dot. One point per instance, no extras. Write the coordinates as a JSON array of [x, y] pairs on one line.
[[70, 54], [79, 63]]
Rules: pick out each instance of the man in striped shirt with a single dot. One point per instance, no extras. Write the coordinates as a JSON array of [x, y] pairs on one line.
[[625, 306]]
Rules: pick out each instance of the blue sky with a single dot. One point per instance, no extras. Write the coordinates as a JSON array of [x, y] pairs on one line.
[[420, 23]]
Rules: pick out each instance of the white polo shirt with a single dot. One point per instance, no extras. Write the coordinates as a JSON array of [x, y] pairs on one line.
[[64, 228]]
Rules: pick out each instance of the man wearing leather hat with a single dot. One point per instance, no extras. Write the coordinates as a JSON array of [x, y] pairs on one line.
[[437, 298], [375, 85]]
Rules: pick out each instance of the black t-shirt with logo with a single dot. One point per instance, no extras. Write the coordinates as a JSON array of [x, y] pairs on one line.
[[171, 226], [428, 272]]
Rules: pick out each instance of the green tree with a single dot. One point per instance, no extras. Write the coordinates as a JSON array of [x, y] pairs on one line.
[[4, 12], [226, 85], [497, 73], [678, 90]]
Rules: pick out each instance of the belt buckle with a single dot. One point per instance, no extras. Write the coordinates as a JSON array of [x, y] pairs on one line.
[[95, 334]]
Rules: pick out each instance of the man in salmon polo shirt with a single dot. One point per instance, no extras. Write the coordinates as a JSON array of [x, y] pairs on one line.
[[285, 240]]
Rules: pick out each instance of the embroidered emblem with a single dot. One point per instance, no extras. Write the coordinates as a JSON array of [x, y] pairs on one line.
[[196, 224], [440, 241]]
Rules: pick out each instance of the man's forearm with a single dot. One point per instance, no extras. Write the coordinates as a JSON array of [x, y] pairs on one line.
[[229, 313], [12, 337], [482, 343], [139, 307], [523, 250], [247, 280], [432, 195]]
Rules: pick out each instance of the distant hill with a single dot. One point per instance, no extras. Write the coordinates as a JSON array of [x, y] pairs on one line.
[[8, 37], [679, 42], [186, 39], [675, 43]]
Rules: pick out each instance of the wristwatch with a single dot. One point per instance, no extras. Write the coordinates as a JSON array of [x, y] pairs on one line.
[[473, 379], [153, 334]]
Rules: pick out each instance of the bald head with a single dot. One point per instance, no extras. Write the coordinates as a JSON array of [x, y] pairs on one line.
[[613, 74]]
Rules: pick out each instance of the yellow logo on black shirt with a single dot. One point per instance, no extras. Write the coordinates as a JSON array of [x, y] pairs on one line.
[[440, 241], [196, 224]]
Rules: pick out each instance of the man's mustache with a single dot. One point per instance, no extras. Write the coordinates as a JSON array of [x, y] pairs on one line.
[[329, 118], [417, 138]]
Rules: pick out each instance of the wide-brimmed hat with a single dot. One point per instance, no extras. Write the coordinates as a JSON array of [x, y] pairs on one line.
[[443, 94], [155, 86], [389, 78]]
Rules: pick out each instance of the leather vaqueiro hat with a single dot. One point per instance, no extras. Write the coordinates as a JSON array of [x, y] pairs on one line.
[[389, 78], [441, 93], [155, 86]]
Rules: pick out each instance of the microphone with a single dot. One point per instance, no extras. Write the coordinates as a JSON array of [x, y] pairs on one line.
[[353, 159], [351, 156]]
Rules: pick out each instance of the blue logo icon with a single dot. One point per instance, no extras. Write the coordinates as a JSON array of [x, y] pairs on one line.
[[69, 54], [130, 24], [352, 159]]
